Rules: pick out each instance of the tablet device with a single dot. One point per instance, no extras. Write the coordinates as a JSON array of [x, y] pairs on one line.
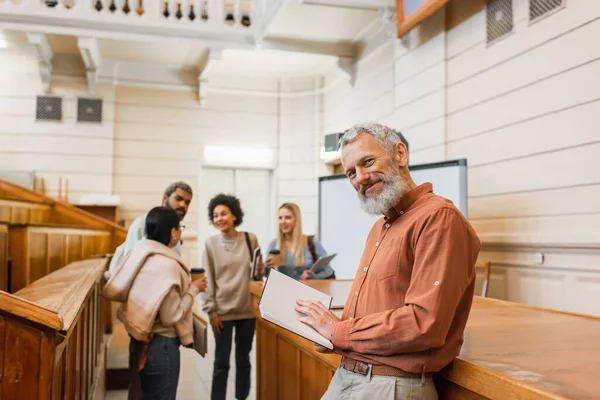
[[255, 257], [321, 263]]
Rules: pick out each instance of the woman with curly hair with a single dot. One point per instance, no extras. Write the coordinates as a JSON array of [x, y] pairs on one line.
[[227, 261]]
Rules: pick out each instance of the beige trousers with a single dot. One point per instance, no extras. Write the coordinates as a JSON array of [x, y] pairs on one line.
[[346, 385]]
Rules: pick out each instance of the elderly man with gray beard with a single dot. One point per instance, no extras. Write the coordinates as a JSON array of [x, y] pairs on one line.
[[412, 293]]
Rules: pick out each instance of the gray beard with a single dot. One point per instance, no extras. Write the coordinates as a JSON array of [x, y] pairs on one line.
[[393, 189]]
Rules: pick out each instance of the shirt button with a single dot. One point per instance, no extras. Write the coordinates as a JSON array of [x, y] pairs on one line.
[[356, 293], [376, 244], [365, 269]]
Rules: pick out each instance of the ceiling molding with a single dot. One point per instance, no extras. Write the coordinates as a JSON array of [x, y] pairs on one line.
[[44, 53], [348, 67], [347, 50], [214, 56], [267, 17], [352, 4], [92, 59], [213, 36]]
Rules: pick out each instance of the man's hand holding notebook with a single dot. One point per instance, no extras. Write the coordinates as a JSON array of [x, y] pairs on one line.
[[278, 305]]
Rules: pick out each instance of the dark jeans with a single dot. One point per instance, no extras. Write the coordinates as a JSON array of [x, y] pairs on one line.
[[158, 380], [244, 333]]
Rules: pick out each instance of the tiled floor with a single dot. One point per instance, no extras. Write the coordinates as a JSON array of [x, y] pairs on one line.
[[195, 378]]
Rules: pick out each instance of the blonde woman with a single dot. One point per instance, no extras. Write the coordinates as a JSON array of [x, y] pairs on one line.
[[298, 252]]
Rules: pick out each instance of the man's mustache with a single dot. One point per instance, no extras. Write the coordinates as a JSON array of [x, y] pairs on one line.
[[364, 188]]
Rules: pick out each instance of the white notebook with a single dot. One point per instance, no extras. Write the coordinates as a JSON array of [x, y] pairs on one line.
[[279, 299]]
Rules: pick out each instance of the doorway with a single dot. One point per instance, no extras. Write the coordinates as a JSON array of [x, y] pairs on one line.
[[254, 189]]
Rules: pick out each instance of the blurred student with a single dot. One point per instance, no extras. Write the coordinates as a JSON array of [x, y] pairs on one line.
[[298, 252], [157, 293], [227, 261]]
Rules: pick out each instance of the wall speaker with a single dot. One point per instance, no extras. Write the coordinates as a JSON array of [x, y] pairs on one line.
[[48, 108], [89, 110]]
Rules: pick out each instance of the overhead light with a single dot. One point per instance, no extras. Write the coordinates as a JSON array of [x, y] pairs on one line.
[[239, 157], [3, 43]]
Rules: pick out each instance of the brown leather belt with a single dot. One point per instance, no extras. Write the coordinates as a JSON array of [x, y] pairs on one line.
[[385, 370]]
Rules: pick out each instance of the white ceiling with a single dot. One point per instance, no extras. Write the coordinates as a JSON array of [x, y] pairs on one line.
[[271, 63], [299, 22], [320, 23]]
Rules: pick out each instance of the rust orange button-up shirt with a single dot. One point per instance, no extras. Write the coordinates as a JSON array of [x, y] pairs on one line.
[[413, 290]]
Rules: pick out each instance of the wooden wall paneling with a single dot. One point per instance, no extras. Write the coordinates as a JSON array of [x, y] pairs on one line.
[[5, 212], [19, 215], [18, 248], [88, 245], [38, 256], [56, 251], [58, 385], [2, 346], [319, 376], [288, 386], [84, 352], [268, 374], [73, 248], [71, 359], [21, 362], [94, 327], [46, 365], [77, 371], [3, 257], [103, 244]]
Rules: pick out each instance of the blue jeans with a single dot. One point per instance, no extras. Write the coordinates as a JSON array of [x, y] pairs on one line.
[[244, 333], [160, 375]]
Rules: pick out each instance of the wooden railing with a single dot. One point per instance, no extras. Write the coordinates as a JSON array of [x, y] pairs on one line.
[[59, 211], [16, 211], [51, 336], [37, 250], [3, 257]]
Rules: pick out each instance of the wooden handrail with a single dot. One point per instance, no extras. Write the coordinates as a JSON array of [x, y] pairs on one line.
[[8, 189], [56, 299], [53, 345], [19, 307]]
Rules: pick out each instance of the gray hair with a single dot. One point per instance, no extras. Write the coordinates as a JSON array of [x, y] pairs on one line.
[[178, 185], [385, 135]]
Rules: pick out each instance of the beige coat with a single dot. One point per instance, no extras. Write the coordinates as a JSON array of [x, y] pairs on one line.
[[149, 273]]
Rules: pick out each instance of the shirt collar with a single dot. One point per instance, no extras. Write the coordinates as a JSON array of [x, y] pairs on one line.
[[407, 200]]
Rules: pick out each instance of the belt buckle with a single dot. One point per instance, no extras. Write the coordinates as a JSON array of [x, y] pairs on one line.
[[361, 368]]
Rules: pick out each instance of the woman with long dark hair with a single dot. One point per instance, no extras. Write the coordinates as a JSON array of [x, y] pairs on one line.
[[157, 293]]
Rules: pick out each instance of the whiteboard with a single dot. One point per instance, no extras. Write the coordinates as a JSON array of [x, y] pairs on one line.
[[344, 226]]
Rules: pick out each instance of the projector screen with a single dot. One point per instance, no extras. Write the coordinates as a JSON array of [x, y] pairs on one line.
[[344, 226]]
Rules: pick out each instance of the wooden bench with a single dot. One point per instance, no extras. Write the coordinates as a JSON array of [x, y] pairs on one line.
[[39, 249], [17, 211], [51, 336]]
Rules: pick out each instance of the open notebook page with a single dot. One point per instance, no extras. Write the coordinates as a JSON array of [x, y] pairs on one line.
[[279, 299]]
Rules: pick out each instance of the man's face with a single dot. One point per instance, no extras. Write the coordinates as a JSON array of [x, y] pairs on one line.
[[373, 173], [179, 201]]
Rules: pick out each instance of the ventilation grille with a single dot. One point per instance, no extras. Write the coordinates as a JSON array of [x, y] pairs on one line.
[[539, 8], [89, 110], [48, 108], [499, 19]]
